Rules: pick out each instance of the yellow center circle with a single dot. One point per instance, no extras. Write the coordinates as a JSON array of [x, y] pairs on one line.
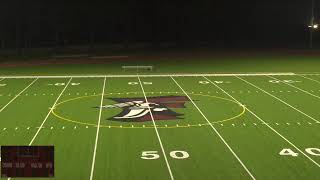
[[243, 109]]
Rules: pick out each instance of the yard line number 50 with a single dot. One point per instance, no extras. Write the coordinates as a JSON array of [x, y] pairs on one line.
[[151, 155]]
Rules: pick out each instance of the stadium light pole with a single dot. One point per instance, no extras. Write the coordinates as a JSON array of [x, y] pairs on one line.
[[312, 26]]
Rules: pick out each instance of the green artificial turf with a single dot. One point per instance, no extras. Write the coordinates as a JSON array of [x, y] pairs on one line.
[[252, 119], [163, 65]]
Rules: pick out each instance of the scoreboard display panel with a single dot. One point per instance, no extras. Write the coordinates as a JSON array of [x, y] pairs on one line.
[[27, 161]]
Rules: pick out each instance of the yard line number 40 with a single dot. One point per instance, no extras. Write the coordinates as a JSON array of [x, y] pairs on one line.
[[290, 152], [151, 155]]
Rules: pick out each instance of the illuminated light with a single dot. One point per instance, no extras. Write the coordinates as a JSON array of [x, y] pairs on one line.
[[315, 26]]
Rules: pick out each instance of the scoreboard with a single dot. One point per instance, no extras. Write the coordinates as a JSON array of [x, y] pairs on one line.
[[27, 161]]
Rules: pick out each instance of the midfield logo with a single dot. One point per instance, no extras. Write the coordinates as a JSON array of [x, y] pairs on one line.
[[138, 110]]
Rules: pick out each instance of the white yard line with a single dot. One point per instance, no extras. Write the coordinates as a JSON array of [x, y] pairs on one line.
[[155, 75], [51, 109], [308, 78], [15, 97], [215, 130], [317, 121], [270, 127], [39, 129], [98, 129], [156, 130], [296, 87]]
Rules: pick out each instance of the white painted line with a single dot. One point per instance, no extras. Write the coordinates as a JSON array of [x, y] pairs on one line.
[[156, 130], [270, 127], [15, 97], [98, 129], [2, 79], [215, 130], [297, 88], [45, 119], [277, 99], [39, 129], [151, 75], [309, 78]]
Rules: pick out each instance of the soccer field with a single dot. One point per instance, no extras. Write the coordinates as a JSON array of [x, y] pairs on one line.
[[189, 126]]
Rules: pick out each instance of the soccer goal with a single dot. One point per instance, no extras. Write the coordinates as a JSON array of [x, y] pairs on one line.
[[137, 68]]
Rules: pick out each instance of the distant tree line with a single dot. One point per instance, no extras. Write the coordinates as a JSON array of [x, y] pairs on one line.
[[43, 23]]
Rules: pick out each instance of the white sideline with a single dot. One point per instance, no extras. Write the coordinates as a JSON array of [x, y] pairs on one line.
[[16, 96], [153, 75], [296, 88], [156, 130], [317, 121], [215, 130], [98, 129], [270, 127], [45, 119]]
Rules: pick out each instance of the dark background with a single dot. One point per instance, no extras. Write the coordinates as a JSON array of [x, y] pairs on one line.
[[223, 23]]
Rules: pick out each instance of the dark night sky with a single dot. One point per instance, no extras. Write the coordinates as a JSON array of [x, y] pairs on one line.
[[222, 23]]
